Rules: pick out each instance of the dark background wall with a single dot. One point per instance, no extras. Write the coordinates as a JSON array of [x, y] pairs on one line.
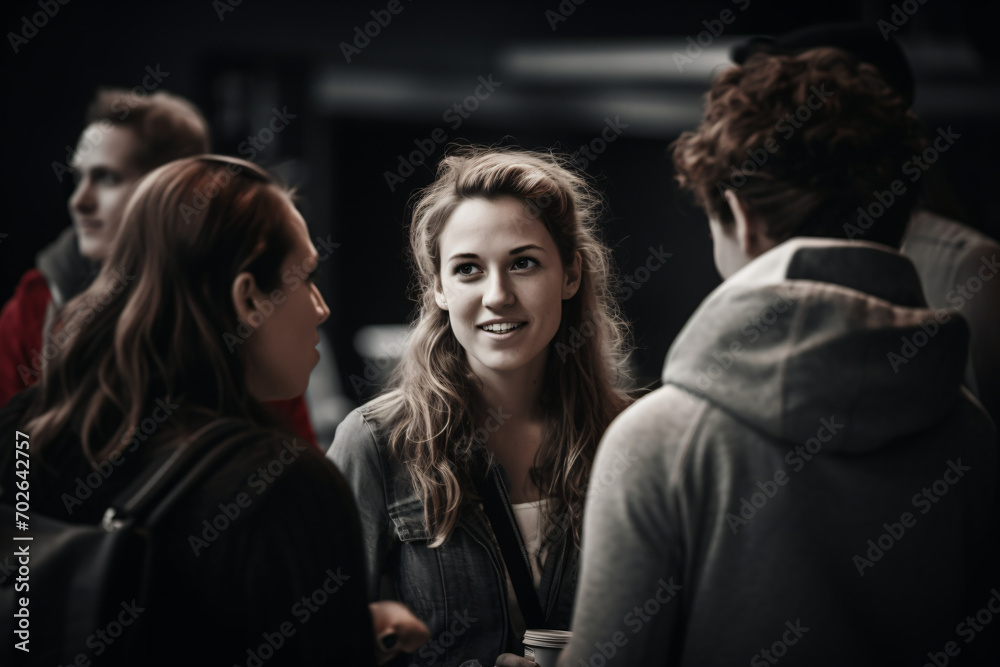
[[560, 82]]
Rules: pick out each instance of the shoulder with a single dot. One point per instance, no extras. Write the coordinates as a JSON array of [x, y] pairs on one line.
[[643, 463], [360, 428], [34, 286], [32, 296], [361, 422], [931, 236], [262, 445], [369, 424], [929, 224], [361, 440], [261, 526], [652, 439], [275, 468], [663, 416]]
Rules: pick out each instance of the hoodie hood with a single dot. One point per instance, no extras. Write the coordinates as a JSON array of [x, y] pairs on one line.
[[67, 271], [824, 329]]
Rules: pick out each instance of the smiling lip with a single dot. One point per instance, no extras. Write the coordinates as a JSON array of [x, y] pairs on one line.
[[501, 328]]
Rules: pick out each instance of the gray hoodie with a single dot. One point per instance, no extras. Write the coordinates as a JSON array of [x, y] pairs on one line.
[[810, 486]]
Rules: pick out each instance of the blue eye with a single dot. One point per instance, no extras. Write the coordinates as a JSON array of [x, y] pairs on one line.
[[466, 269]]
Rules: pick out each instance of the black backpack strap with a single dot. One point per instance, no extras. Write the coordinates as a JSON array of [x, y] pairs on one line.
[[149, 499], [515, 557]]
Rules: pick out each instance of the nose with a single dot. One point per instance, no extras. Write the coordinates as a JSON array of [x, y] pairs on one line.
[[499, 293], [82, 200], [322, 310]]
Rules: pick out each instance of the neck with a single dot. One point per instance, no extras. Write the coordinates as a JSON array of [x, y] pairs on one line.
[[512, 417], [517, 393]]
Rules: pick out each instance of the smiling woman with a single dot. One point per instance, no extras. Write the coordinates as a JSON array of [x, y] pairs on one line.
[[503, 284], [509, 264]]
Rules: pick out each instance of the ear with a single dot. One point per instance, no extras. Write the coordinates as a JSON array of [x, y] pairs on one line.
[[751, 234], [245, 296], [572, 276], [439, 297]]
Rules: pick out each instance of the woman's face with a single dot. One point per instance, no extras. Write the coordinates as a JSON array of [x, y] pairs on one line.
[[502, 282], [105, 177], [281, 352]]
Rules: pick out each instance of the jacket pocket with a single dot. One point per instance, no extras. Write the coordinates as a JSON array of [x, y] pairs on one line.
[[408, 519]]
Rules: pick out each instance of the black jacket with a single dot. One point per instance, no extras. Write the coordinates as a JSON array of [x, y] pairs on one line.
[[260, 565]]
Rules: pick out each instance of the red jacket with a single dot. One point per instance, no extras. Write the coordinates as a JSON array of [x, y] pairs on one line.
[[22, 321]]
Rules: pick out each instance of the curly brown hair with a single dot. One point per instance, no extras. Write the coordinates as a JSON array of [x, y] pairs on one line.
[[805, 141]]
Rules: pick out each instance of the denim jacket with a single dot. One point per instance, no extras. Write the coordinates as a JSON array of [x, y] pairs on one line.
[[459, 588]]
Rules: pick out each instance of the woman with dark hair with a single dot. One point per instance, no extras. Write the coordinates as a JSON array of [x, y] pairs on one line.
[[197, 316], [513, 369]]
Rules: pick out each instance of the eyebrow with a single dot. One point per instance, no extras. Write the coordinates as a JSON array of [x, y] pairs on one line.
[[516, 251], [96, 169]]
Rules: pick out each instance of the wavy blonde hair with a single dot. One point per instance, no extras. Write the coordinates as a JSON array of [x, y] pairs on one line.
[[428, 418]]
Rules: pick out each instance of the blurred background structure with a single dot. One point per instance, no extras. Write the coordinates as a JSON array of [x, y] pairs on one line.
[[369, 93]]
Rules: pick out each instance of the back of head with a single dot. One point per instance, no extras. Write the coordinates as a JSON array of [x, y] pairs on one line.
[[805, 141], [864, 41], [167, 127], [153, 324]]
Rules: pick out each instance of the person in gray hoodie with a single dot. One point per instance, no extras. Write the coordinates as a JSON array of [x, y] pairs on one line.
[[812, 484], [955, 261]]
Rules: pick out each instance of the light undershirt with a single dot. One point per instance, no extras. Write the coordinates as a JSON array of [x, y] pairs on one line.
[[528, 516]]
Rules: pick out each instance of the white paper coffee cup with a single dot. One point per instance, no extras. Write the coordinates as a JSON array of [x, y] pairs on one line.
[[544, 646]]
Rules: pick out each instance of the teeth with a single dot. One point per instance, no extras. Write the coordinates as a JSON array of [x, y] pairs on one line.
[[502, 327]]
